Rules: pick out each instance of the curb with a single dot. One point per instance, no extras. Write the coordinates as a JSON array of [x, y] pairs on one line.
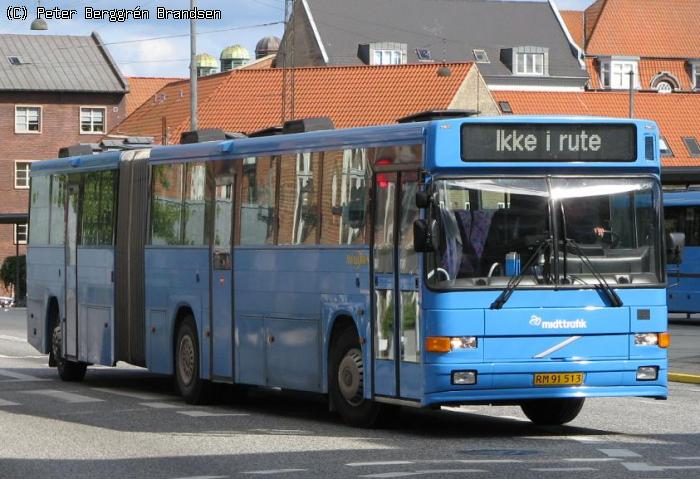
[[684, 378]]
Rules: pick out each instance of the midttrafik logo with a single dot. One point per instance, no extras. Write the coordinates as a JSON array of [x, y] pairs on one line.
[[538, 322]]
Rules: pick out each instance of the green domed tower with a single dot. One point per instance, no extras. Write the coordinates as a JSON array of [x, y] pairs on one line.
[[206, 65], [234, 57]]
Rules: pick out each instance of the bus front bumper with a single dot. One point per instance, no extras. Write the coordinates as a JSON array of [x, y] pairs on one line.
[[515, 381]]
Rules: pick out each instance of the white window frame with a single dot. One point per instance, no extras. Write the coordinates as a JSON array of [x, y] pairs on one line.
[[92, 131], [15, 239], [614, 73], [393, 55], [41, 120], [664, 147], [20, 187], [525, 63]]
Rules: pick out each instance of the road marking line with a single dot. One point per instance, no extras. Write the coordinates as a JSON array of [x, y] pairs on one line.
[[591, 459], [379, 463], [389, 475], [209, 414], [687, 458], [19, 376], [203, 477], [161, 405], [4, 403], [563, 469], [64, 396], [274, 471], [14, 339], [131, 394], [619, 453], [641, 467], [42, 356]]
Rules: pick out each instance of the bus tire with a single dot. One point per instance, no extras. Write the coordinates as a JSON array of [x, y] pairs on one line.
[[67, 370], [346, 382], [552, 412], [192, 387]]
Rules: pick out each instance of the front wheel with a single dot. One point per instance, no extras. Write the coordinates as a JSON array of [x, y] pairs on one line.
[[552, 412], [67, 370], [347, 376], [192, 387]]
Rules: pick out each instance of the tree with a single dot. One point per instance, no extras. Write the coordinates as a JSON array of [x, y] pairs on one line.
[[8, 276]]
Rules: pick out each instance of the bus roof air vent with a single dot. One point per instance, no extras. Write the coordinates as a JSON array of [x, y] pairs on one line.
[[200, 136], [429, 115], [308, 124], [75, 150], [272, 131]]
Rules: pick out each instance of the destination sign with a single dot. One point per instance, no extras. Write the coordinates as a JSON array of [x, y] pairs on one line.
[[508, 142]]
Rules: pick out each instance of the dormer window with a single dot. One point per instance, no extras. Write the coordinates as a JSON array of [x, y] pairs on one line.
[[527, 61], [615, 73], [695, 73], [386, 57], [383, 53], [665, 82]]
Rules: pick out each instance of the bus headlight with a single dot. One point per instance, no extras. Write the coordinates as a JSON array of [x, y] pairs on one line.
[[647, 373], [662, 340], [463, 378], [446, 344]]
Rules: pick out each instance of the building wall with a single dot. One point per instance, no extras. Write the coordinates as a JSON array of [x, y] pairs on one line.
[[60, 126], [474, 94]]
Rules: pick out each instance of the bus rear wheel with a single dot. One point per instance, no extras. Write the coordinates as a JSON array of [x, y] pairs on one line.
[[346, 382], [192, 387], [552, 412], [67, 370]]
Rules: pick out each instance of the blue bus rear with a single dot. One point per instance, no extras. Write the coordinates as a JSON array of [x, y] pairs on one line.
[[505, 260], [682, 215]]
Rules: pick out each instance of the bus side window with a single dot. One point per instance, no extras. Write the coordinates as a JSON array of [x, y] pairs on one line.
[[345, 197], [298, 201], [97, 220], [258, 187], [39, 211], [57, 209], [167, 206]]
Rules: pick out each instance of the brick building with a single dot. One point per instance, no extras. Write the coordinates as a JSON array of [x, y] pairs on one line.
[[54, 91]]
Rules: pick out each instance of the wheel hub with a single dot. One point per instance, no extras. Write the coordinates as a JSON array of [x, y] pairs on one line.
[[186, 360], [351, 377]]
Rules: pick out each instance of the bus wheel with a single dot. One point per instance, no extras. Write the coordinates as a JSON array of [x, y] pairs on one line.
[[67, 370], [192, 387], [552, 412], [347, 382]]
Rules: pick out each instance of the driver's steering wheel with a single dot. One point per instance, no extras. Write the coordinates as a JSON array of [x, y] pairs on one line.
[[610, 237], [440, 271]]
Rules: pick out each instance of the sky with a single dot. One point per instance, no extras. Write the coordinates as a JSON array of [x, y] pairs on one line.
[[138, 46]]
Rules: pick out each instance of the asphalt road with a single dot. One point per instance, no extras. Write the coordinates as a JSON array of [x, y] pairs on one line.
[[126, 423]]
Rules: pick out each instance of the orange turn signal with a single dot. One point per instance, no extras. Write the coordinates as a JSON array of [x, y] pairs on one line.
[[664, 340], [438, 345]]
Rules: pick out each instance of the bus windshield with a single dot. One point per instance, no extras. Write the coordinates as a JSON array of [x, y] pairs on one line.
[[578, 228]]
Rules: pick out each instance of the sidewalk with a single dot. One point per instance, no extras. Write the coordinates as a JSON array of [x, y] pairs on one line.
[[684, 353]]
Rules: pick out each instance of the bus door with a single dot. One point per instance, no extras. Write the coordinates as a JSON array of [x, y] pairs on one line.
[[222, 278], [70, 329], [396, 280]]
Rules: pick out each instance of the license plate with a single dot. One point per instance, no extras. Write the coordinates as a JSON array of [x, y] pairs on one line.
[[558, 379]]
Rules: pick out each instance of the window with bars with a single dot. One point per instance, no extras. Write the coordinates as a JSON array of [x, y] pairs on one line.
[[22, 174], [92, 120], [27, 119], [21, 234]]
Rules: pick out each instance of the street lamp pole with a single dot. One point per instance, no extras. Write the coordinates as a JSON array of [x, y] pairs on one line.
[[193, 69]]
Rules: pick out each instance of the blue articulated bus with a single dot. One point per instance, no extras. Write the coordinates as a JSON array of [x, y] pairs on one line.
[[514, 260], [682, 215]]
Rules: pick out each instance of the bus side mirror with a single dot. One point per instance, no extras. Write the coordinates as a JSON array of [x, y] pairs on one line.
[[422, 237], [675, 242], [422, 200]]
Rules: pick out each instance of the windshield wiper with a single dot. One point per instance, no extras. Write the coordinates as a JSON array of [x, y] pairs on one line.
[[515, 280], [602, 284]]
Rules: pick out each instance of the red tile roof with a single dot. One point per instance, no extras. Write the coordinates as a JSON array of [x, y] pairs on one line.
[[649, 68], [250, 100], [647, 28], [141, 89], [677, 114], [574, 23]]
